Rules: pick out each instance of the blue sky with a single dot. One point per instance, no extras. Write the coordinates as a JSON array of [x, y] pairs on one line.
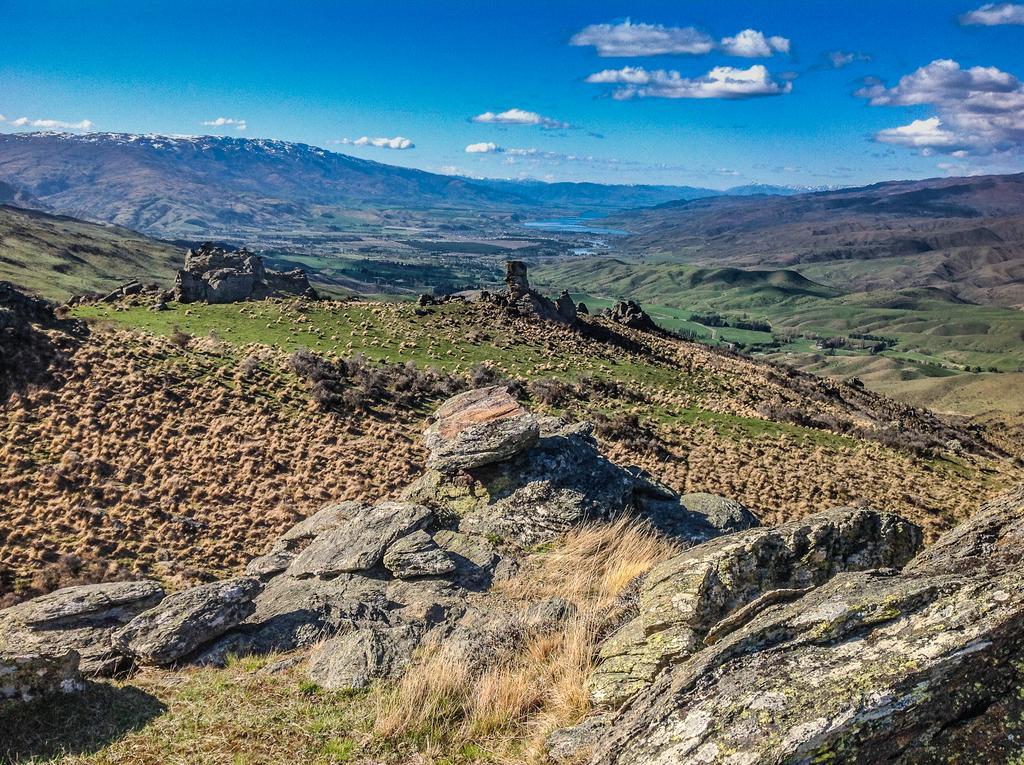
[[701, 92]]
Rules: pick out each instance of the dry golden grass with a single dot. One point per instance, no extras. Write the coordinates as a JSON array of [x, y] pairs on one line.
[[510, 707]]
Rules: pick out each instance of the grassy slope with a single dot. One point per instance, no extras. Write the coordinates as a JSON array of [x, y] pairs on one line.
[[925, 324], [56, 256]]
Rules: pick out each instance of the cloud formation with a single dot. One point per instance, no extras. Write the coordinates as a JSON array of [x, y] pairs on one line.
[[519, 117], [994, 14], [227, 122], [626, 39], [398, 142], [629, 39], [483, 148], [841, 58], [49, 124], [980, 109], [753, 44], [721, 82], [918, 134]]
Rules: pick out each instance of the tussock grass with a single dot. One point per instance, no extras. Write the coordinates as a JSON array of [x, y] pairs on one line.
[[508, 708]]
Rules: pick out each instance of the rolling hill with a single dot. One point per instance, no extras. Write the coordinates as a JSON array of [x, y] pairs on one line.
[[927, 326], [56, 256], [964, 235]]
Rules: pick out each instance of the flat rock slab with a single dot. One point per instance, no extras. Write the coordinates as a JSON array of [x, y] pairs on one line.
[[417, 555], [360, 543], [186, 620], [81, 618], [477, 428]]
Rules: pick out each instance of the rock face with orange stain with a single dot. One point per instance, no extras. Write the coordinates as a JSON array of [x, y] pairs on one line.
[[477, 428]]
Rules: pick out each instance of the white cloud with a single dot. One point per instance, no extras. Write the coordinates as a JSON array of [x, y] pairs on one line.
[[753, 44], [227, 122], [629, 39], [49, 124], [721, 82], [921, 134], [398, 142], [980, 109], [994, 14], [841, 58], [519, 117], [483, 148]]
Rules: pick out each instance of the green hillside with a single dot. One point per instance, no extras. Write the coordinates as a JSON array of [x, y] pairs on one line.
[[923, 326], [55, 256]]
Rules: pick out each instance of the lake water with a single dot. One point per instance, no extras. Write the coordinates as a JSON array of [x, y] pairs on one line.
[[574, 226]]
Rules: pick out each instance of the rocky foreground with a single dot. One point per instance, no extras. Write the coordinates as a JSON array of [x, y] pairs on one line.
[[833, 638]]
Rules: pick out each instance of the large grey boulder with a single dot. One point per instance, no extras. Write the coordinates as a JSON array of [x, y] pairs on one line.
[[353, 660], [81, 619], [417, 555], [690, 595], [186, 620], [477, 428], [26, 676], [919, 666], [359, 544]]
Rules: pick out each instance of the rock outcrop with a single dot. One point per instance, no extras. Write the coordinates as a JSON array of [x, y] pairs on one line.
[[716, 587], [521, 299], [804, 642], [914, 666], [185, 620], [214, 275], [547, 488], [629, 314], [82, 619]]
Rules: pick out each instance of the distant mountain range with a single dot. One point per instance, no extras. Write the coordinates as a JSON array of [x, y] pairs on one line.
[[213, 186], [964, 235]]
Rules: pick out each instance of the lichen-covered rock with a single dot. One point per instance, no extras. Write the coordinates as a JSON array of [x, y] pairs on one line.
[[353, 660], [186, 620], [574, 744], [685, 597], [360, 543], [26, 676], [478, 427], [919, 666], [417, 555], [81, 618]]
